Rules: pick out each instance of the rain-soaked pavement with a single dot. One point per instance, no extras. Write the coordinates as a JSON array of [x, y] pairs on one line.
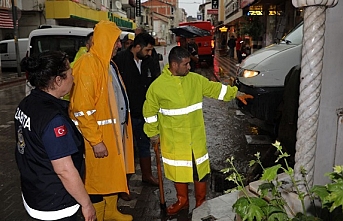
[[229, 133]]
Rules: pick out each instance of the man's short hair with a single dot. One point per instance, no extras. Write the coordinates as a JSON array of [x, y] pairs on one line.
[[178, 53], [143, 39], [89, 36], [141, 30]]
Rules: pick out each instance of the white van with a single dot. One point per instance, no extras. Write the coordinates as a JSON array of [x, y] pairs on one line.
[[65, 39], [8, 53], [262, 74]]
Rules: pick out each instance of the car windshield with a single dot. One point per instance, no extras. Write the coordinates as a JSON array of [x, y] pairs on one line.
[[65, 43], [294, 37]]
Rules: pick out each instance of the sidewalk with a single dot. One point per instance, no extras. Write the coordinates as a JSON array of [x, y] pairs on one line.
[[224, 68], [10, 77]]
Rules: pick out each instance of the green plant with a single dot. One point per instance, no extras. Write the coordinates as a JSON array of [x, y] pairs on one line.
[[252, 27], [270, 205], [331, 195]]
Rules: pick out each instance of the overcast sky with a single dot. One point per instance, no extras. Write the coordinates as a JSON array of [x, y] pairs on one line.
[[190, 6]]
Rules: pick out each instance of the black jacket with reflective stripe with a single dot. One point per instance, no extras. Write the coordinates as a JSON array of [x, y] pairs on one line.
[[40, 185]]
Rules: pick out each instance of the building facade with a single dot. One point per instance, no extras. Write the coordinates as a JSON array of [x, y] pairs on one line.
[[80, 13], [261, 22], [165, 15]]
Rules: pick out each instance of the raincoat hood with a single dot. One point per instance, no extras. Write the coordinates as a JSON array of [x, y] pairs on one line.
[[105, 35]]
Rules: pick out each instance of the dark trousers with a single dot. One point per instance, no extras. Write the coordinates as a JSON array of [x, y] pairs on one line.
[[239, 56], [142, 141], [231, 52]]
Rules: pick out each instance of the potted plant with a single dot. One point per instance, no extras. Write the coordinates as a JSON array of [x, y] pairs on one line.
[[274, 193]]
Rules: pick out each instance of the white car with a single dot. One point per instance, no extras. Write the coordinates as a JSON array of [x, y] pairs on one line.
[[262, 74]]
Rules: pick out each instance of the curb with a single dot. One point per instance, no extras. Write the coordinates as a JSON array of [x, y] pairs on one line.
[[14, 81]]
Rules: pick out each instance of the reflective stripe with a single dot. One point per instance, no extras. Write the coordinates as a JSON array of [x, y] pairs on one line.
[[104, 122], [150, 120], [222, 92], [51, 215], [185, 163], [78, 114], [75, 122], [202, 159], [91, 112], [177, 163], [181, 111], [100, 122]]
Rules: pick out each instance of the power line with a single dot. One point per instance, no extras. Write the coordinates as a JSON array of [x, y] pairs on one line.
[[191, 2]]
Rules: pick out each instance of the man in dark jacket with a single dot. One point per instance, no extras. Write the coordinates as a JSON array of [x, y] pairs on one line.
[[138, 70], [231, 43]]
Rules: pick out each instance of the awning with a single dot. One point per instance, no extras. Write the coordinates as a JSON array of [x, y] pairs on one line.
[[6, 20], [68, 9]]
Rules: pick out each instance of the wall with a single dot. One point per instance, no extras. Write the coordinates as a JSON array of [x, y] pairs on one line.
[[331, 95]]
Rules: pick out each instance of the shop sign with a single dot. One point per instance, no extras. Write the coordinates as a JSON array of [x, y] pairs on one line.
[[199, 16], [214, 4], [223, 29], [274, 13], [255, 12], [212, 11], [6, 4], [271, 13], [120, 22]]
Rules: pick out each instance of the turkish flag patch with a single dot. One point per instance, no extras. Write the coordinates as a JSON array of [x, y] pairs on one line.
[[60, 131]]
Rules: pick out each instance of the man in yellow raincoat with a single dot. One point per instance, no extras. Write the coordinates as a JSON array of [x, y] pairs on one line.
[[99, 107], [173, 114]]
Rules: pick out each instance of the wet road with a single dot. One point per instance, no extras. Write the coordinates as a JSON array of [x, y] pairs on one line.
[[229, 133]]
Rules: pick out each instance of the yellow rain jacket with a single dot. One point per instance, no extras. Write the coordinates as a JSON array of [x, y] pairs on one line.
[[173, 109], [94, 110]]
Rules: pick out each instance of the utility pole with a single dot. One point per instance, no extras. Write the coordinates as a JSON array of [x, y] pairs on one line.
[[15, 35]]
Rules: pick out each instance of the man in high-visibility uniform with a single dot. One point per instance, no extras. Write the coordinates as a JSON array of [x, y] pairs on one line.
[[99, 108], [173, 115]]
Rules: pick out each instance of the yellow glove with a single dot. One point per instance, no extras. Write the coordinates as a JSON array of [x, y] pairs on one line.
[[155, 139], [242, 97]]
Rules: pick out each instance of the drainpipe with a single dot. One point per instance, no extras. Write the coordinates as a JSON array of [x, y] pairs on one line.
[[310, 85], [339, 137]]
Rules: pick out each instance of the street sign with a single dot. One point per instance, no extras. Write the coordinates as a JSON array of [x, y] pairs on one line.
[[138, 8], [214, 4], [199, 16]]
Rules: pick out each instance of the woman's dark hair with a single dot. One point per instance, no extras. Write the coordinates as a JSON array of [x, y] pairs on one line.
[[177, 53], [43, 68]]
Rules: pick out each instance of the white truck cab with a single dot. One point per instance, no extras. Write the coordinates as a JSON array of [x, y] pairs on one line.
[[262, 74]]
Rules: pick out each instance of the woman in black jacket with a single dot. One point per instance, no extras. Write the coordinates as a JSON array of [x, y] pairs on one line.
[[49, 151]]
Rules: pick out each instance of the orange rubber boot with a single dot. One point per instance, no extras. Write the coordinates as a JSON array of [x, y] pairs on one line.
[[182, 199], [200, 193]]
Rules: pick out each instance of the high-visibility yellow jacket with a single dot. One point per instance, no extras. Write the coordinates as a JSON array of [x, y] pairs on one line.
[[81, 51], [173, 109], [93, 108]]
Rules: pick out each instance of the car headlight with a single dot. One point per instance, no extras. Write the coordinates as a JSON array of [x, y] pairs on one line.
[[250, 73]]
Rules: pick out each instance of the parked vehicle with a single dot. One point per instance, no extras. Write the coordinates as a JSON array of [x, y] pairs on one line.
[[262, 74], [205, 44], [8, 52], [48, 38]]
